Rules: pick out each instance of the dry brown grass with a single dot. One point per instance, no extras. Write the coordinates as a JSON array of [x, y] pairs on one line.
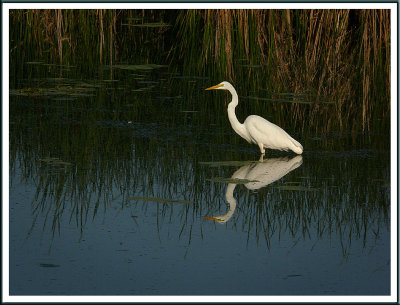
[[337, 57], [342, 57]]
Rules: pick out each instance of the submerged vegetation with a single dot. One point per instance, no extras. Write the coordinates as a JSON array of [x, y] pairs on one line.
[[333, 65], [108, 111]]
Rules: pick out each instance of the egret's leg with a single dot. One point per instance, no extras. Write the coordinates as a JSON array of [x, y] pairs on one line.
[[261, 148]]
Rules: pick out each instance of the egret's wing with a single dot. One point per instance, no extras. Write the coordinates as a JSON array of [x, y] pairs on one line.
[[269, 134]]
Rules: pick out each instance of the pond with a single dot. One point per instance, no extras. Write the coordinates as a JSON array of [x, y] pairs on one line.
[[130, 181]]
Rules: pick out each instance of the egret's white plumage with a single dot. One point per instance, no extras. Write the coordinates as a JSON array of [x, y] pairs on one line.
[[259, 175], [256, 129]]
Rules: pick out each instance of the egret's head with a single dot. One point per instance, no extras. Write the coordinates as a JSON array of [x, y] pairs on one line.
[[223, 86]]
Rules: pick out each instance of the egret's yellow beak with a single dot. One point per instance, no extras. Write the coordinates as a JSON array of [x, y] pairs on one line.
[[212, 218], [214, 87]]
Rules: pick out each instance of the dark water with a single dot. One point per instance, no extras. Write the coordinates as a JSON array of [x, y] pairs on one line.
[[131, 182]]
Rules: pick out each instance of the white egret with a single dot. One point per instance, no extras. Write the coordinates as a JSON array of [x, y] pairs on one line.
[[256, 129]]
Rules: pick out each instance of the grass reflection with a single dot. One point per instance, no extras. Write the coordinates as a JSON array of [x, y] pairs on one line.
[[126, 170], [92, 155]]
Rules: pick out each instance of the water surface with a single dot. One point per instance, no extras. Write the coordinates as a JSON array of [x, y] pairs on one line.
[[130, 181]]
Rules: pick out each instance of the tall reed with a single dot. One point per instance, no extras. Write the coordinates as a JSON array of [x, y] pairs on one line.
[[341, 56], [338, 59], [93, 36]]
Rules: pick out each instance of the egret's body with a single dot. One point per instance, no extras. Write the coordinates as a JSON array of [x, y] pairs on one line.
[[258, 130]]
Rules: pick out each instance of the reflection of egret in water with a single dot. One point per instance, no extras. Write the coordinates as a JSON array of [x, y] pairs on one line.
[[259, 175]]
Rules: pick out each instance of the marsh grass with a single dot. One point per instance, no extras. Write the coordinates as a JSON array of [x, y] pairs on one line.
[[339, 58], [333, 54], [65, 35]]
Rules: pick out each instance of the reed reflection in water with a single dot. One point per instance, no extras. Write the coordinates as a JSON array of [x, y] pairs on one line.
[[90, 180]]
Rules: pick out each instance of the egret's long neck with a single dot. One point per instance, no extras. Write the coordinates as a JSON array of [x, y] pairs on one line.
[[236, 125], [231, 201]]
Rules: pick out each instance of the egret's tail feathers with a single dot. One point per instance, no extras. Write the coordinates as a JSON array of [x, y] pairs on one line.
[[297, 147]]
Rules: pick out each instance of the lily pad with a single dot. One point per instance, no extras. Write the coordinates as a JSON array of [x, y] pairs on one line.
[[295, 188], [231, 180], [55, 162], [159, 199], [138, 67], [279, 100], [63, 99], [49, 265], [143, 89], [227, 163], [134, 18], [34, 62], [110, 80], [63, 90]]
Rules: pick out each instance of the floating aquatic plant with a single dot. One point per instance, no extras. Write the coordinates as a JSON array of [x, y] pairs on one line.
[[160, 200]]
